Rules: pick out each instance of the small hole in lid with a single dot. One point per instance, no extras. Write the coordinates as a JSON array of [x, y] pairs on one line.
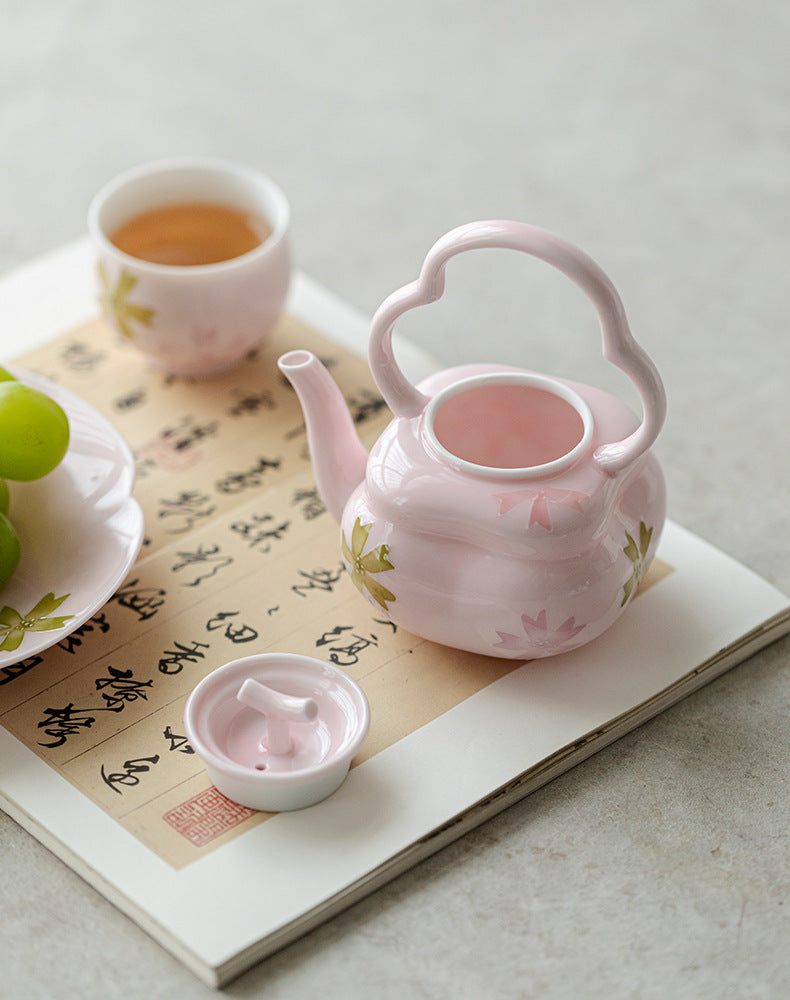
[[260, 767]]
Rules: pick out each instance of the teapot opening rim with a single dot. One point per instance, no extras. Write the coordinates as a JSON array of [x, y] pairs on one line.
[[543, 383]]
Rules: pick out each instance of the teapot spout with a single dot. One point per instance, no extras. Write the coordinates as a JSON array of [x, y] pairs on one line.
[[339, 458]]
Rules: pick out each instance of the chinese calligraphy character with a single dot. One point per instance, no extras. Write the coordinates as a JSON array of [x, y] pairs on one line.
[[121, 688], [79, 357], [385, 621], [310, 502], [72, 642], [236, 482], [332, 634], [319, 579], [187, 508], [172, 660], [129, 776], [7, 674], [186, 434], [143, 466], [143, 601], [346, 655], [251, 403], [236, 633], [257, 534], [172, 447], [209, 557], [130, 400], [179, 743], [60, 723], [365, 405]]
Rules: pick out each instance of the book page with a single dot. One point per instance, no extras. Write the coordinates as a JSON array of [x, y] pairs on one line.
[[239, 557], [238, 544]]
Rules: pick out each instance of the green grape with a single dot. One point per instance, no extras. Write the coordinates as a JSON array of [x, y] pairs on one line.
[[5, 497], [6, 376], [34, 432], [9, 550]]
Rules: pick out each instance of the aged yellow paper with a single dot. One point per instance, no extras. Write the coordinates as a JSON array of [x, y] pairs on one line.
[[239, 557]]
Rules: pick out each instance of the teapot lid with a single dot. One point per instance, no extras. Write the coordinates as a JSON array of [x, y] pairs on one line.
[[277, 731]]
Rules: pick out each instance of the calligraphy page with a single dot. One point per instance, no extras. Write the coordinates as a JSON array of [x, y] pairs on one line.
[[239, 556]]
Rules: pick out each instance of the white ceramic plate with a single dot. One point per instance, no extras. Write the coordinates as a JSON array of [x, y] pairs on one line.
[[79, 530]]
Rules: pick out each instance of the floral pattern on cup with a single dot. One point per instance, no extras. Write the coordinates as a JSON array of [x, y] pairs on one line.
[[193, 320], [115, 303]]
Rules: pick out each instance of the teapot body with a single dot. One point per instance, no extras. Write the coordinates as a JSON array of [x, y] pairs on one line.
[[504, 565], [501, 511]]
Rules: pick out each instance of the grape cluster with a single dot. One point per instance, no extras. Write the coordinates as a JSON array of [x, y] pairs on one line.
[[34, 436]]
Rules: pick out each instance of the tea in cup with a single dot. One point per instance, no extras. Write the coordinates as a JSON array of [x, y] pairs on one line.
[[193, 260]]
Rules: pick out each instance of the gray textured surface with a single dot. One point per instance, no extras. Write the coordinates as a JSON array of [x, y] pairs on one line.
[[656, 136]]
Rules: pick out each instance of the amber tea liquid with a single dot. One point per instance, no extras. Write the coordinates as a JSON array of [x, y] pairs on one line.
[[191, 233]]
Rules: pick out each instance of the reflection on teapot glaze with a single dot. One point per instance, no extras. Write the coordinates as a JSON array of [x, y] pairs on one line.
[[540, 500], [489, 555]]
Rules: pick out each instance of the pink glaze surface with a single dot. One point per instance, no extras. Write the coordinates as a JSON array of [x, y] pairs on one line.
[[310, 754], [507, 426], [501, 511]]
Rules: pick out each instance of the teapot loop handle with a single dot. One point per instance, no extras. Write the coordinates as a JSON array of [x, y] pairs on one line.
[[619, 346]]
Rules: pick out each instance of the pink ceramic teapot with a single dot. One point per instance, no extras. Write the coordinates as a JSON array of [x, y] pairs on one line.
[[501, 511]]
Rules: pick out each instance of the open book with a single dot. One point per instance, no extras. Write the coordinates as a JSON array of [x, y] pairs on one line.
[[250, 563]]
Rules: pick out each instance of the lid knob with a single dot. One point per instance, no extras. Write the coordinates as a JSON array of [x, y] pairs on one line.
[[279, 710]]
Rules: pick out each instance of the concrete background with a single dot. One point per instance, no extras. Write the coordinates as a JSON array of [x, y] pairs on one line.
[[657, 137]]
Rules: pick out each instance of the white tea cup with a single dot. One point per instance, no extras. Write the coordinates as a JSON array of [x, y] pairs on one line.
[[194, 319]]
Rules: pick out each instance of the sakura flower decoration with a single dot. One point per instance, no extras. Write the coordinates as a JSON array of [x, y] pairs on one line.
[[364, 564], [114, 300], [538, 633]]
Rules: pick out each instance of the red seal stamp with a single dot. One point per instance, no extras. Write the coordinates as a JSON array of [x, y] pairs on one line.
[[206, 816]]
